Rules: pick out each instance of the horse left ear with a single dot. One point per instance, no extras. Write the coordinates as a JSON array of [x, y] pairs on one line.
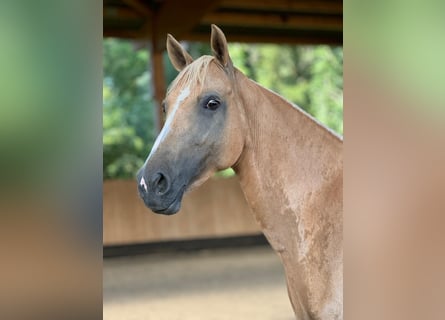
[[219, 46], [177, 54]]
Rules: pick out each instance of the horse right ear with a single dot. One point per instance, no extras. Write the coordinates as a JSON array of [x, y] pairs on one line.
[[219, 46], [177, 54]]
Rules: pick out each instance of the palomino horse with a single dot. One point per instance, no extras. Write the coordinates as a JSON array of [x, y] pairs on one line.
[[290, 168]]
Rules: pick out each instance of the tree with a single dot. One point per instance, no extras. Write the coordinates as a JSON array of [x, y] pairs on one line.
[[128, 118], [309, 76]]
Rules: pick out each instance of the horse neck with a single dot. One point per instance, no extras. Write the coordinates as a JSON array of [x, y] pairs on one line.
[[287, 160]]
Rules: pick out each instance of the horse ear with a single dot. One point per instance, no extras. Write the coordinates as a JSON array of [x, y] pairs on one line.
[[219, 46], [177, 54]]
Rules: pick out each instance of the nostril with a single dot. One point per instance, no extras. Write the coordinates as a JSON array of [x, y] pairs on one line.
[[160, 183]]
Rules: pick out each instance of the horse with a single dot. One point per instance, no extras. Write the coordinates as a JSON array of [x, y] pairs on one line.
[[290, 168]]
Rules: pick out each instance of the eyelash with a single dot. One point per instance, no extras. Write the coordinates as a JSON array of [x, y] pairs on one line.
[[212, 104]]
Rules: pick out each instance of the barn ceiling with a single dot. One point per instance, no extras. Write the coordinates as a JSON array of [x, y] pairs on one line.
[[260, 21]]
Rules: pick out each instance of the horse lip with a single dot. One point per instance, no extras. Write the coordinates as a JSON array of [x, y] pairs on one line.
[[168, 210], [174, 206]]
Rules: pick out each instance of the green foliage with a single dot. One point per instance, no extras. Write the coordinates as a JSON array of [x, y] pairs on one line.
[[128, 117], [225, 173], [311, 77]]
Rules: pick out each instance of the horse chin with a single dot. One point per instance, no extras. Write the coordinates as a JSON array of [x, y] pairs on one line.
[[171, 209]]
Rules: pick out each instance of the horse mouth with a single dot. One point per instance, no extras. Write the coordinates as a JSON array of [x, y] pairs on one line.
[[169, 210], [173, 207]]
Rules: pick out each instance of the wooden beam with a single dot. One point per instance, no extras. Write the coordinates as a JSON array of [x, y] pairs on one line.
[[140, 7], [179, 18], [124, 34], [335, 39], [267, 20], [278, 38], [319, 6], [120, 14], [157, 70]]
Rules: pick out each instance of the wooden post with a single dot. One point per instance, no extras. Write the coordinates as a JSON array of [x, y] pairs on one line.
[[157, 71], [158, 76]]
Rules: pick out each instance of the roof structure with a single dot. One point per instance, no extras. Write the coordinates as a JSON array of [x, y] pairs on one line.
[[248, 21], [260, 21]]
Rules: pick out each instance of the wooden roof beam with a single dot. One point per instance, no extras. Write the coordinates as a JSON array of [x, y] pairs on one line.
[[335, 40], [319, 6], [124, 34], [274, 21], [179, 22], [140, 7], [120, 13]]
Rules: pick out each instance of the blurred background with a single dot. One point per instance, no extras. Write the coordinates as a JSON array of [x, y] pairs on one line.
[[209, 261], [51, 111]]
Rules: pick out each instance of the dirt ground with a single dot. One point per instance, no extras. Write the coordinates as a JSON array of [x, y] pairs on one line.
[[245, 283]]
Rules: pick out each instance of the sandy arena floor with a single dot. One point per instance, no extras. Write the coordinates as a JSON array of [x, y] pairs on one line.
[[241, 284]]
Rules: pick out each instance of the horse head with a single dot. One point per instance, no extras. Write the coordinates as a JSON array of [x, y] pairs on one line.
[[203, 131]]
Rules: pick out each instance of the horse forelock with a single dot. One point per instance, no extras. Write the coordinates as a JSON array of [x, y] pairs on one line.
[[194, 73]]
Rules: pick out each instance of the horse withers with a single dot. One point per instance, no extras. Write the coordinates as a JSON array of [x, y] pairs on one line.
[[289, 165]]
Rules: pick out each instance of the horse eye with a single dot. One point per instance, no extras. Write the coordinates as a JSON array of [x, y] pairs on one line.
[[163, 107], [212, 104]]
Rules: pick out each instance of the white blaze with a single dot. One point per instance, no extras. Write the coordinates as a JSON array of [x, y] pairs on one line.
[[143, 184], [164, 132]]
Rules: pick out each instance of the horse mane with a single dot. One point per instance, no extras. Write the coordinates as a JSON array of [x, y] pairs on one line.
[[193, 73]]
